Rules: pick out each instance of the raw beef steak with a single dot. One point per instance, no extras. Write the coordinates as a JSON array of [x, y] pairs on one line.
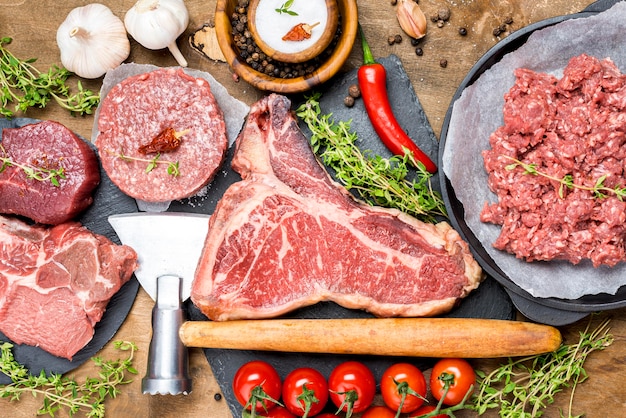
[[288, 236], [55, 283], [147, 106], [48, 146]]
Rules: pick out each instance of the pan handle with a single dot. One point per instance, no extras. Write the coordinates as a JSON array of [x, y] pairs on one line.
[[168, 358], [544, 314]]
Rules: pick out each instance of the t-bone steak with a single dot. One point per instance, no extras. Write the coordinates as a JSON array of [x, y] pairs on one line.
[[143, 108], [46, 147], [55, 283], [288, 236]]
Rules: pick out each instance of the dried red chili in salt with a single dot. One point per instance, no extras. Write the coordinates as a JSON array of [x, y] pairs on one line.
[[167, 140], [300, 32]]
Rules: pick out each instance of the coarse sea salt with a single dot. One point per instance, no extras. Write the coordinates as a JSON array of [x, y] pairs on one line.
[[272, 25]]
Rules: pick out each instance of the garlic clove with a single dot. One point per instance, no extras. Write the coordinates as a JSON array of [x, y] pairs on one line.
[[92, 40], [156, 24], [411, 18]]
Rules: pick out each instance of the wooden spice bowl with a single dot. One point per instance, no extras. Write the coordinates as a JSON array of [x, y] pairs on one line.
[[300, 54], [349, 24]]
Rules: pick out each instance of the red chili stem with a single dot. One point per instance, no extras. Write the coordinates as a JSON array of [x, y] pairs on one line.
[[372, 78], [368, 57]]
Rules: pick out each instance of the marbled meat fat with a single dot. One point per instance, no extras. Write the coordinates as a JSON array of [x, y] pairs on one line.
[[288, 236], [55, 283], [571, 133]]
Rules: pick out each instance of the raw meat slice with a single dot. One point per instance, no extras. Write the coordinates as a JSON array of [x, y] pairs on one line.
[[138, 110], [288, 236], [55, 283], [47, 145]]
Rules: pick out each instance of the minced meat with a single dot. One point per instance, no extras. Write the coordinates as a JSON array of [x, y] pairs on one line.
[[571, 133]]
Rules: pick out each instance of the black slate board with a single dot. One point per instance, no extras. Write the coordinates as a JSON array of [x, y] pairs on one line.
[[108, 199], [488, 301]]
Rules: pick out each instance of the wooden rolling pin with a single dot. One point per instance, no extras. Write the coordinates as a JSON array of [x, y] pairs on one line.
[[417, 337]]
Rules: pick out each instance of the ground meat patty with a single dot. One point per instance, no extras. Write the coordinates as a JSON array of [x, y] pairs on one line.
[[563, 129], [142, 107]]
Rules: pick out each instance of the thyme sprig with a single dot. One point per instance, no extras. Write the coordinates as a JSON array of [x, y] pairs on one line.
[[285, 8], [441, 409], [599, 190], [173, 167], [25, 86], [38, 173], [377, 180], [61, 392], [523, 387]]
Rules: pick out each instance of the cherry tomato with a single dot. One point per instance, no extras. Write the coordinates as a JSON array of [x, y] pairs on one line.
[[403, 387], [352, 387], [378, 411], [455, 372], [277, 412], [305, 392], [426, 409], [257, 383]]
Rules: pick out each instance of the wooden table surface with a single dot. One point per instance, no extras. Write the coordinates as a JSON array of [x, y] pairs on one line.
[[33, 25]]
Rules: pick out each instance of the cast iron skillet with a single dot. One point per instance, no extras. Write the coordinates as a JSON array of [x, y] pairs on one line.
[[553, 311]]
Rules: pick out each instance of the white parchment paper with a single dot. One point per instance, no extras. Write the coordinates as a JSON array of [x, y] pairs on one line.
[[478, 113], [234, 110]]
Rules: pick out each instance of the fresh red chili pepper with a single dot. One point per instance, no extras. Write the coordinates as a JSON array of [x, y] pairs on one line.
[[373, 84]]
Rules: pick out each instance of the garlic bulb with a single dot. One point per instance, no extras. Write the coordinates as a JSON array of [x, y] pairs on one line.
[[92, 40], [156, 24]]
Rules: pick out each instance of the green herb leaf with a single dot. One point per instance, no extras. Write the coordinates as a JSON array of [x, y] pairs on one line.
[[524, 387], [599, 190], [378, 181], [172, 169], [152, 163], [61, 392], [284, 8], [24, 86], [38, 173]]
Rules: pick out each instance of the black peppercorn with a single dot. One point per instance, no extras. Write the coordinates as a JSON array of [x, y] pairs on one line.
[[462, 31], [354, 91], [397, 39], [217, 397], [443, 63], [419, 51]]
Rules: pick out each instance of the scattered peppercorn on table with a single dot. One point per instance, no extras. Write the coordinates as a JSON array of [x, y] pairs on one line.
[[436, 66]]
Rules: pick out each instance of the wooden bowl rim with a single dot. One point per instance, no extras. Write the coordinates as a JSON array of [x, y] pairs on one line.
[[349, 23]]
